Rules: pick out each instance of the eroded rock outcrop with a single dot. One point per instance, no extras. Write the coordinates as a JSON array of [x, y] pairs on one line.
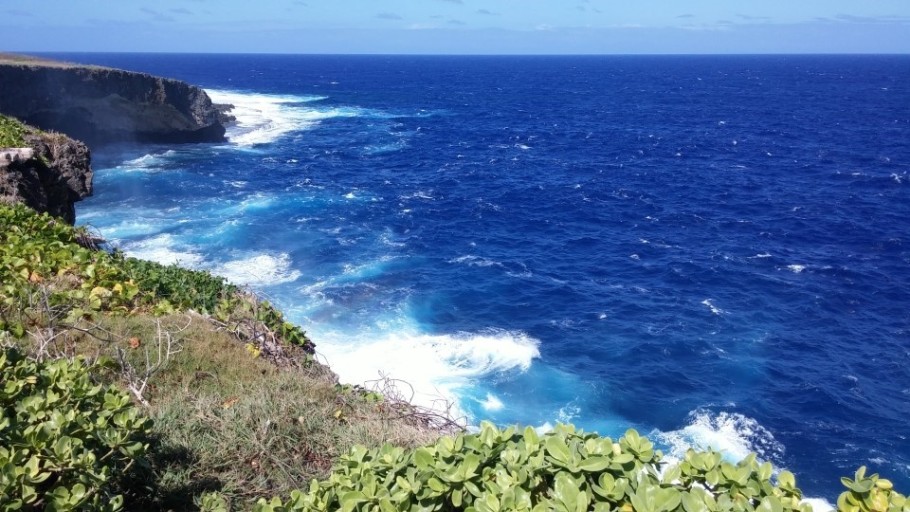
[[49, 174], [102, 105]]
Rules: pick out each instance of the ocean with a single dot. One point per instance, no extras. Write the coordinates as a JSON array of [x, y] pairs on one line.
[[712, 250]]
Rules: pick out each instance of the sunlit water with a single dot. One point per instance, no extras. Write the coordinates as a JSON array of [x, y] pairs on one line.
[[713, 250]]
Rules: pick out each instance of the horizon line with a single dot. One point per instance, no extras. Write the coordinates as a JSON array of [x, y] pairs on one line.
[[390, 54]]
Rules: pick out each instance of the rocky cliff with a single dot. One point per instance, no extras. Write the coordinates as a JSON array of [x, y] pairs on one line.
[[49, 173], [102, 105]]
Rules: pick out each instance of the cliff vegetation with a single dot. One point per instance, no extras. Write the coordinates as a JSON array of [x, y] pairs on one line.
[[135, 386], [47, 171]]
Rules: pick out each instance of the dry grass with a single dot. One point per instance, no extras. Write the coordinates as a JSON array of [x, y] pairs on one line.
[[17, 59], [229, 421]]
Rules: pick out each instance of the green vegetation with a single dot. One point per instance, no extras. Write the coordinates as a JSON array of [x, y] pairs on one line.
[[564, 471], [65, 440], [48, 274], [11, 133], [237, 403], [128, 385]]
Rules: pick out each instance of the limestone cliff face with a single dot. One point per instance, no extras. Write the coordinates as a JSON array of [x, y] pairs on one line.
[[49, 175], [103, 105]]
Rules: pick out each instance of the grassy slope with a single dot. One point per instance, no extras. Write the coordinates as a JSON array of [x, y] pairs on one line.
[[15, 59], [11, 132], [231, 413]]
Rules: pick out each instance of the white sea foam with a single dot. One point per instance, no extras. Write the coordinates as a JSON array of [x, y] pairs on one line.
[[262, 118], [491, 403], [476, 261], [567, 413], [260, 270], [518, 270], [162, 249], [796, 269], [436, 366], [420, 194], [734, 435], [147, 162], [819, 504], [134, 226], [709, 303]]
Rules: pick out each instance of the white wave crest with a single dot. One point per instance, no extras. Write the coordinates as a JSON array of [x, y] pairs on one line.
[[259, 270], [734, 435], [161, 249], [436, 366], [262, 118], [491, 403], [709, 303], [147, 162], [476, 261]]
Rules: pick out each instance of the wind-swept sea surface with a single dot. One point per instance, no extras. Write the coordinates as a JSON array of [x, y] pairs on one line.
[[712, 250]]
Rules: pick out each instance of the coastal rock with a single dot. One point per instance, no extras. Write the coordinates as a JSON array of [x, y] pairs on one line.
[[49, 175], [103, 105]]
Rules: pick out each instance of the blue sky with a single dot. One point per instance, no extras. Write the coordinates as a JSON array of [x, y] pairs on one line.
[[459, 26]]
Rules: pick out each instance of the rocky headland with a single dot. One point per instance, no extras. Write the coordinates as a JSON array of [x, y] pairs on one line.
[[48, 172], [101, 105]]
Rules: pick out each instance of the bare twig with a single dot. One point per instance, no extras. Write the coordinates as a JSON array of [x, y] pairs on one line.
[[397, 404], [137, 380]]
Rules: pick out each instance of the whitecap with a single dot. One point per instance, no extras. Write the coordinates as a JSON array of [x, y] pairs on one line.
[[134, 226], [434, 366], [263, 118], [476, 261], [259, 269], [733, 435], [819, 504], [709, 303], [491, 403], [567, 413], [796, 269], [420, 194], [149, 162], [162, 249]]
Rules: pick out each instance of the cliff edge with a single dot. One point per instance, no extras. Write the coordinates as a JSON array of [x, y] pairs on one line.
[[47, 172], [101, 105]]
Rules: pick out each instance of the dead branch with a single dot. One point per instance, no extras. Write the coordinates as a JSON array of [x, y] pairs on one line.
[[397, 405], [137, 379]]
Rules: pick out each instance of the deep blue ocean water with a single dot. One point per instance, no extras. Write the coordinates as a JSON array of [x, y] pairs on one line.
[[713, 250]]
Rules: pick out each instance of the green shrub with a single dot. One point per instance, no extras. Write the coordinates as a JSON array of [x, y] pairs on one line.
[[182, 288], [566, 471], [870, 494], [64, 441], [11, 133], [43, 267]]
